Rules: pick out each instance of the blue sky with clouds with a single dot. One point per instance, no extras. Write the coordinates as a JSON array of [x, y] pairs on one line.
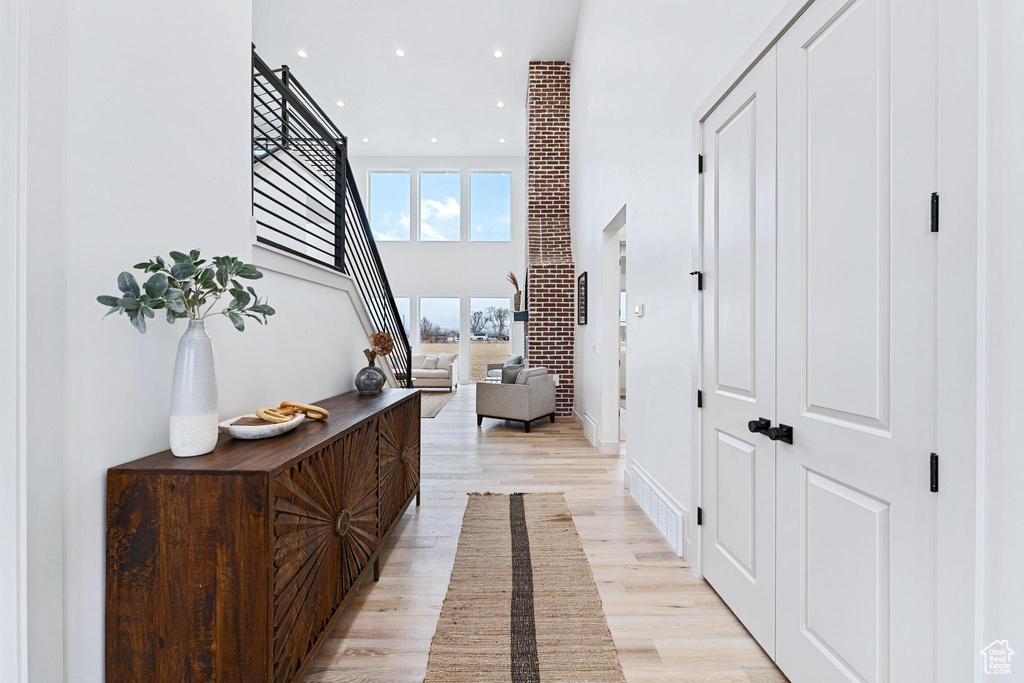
[[490, 206], [389, 206], [441, 206]]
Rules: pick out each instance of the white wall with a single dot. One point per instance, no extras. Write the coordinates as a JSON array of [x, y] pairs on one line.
[[639, 70], [32, 97], [462, 269], [12, 460], [158, 158], [1002, 327]]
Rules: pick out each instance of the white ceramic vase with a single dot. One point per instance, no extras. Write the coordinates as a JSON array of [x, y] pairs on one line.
[[193, 420]]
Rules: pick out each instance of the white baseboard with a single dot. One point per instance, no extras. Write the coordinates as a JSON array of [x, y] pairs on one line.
[[591, 431], [668, 516]]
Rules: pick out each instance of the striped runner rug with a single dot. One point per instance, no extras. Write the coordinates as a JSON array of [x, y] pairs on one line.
[[522, 605]]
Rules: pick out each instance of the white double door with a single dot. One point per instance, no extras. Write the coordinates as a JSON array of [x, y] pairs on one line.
[[819, 314]]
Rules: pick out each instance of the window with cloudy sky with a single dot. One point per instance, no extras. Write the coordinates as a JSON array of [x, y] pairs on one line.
[[389, 205], [490, 207], [440, 207]]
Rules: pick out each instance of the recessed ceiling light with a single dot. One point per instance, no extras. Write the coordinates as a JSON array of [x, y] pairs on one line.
[[302, 53], [400, 52], [501, 104], [497, 53], [433, 139], [501, 140], [366, 139], [340, 103]]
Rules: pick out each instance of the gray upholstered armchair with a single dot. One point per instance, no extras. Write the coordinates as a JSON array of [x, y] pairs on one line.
[[530, 398]]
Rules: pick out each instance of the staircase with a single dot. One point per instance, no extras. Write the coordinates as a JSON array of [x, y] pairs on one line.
[[305, 201]]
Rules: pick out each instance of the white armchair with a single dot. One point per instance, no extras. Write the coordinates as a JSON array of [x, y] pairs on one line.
[[532, 397]]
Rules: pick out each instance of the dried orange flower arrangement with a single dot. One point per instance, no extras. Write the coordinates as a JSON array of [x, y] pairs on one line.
[[381, 344]]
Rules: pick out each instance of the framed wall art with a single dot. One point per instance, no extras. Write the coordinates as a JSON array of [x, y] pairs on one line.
[[581, 299]]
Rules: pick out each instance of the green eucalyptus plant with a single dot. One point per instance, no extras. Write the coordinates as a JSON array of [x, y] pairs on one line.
[[189, 288]]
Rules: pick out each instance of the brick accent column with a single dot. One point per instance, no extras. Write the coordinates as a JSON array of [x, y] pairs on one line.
[[550, 332]]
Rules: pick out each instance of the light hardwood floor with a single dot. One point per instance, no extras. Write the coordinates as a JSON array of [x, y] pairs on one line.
[[667, 624]]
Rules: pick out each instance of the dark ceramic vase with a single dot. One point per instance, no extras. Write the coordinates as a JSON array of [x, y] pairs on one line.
[[370, 380]]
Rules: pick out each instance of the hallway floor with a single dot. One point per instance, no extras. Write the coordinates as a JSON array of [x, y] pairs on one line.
[[667, 624]]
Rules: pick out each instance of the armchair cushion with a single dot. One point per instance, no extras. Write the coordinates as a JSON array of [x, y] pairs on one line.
[[531, 372], [514, 360], [427, 373], [510, 374]]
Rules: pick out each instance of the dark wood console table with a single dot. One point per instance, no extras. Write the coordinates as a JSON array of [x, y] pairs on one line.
[[233, 566]]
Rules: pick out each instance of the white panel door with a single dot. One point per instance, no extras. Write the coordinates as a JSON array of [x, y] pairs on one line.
[[856, 342], [738, 466]]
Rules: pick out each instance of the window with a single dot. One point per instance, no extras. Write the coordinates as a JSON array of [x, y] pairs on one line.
[[489, 323], [439, 325], [440, 207], [403, 303], [389, 205], [490, 207]]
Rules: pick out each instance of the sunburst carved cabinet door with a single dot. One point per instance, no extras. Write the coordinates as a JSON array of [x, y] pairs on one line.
[[325, 530], [399, 459]]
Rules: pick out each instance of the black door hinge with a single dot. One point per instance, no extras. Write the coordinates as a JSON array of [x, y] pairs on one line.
[[934, 473], [700, 279], [700, 398], [935, 211], [700, 516], [700, 163]]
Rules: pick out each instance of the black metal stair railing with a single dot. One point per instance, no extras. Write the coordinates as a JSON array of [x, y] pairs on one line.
[[305, 200]]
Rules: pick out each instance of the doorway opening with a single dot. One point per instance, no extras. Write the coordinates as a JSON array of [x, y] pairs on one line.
[[610, 337], [622, 335]]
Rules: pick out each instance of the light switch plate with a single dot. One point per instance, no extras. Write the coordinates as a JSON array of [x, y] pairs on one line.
[[638, 310]]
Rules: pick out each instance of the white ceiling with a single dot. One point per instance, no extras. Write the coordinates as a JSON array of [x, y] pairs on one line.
[[446, 86]]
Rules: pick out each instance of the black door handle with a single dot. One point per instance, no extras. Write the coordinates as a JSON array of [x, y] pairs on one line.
[[783, 433], [760, 425]]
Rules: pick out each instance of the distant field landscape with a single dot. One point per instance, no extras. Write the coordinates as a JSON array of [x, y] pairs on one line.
[[481, 353]]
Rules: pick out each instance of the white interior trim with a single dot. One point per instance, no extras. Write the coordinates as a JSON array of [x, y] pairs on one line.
[[960, 301], [42, 229], [759, 48], [764, 42], [269, 258], [608, 423], [960, 359], [13, 590]]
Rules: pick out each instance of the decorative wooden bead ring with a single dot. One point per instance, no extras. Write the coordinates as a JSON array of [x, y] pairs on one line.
[[312, 412], [275, 415]]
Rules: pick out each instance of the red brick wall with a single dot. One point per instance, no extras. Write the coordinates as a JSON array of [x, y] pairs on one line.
[[550, 270]]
